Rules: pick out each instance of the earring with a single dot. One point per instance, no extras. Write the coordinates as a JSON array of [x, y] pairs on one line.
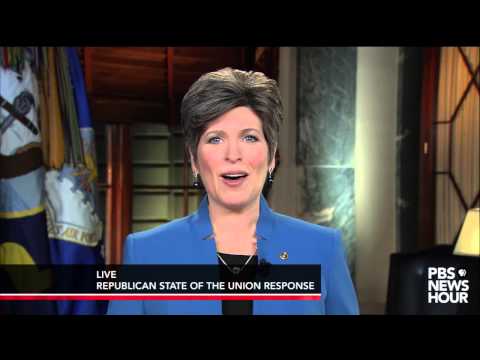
[[196, 183], [270, 177]]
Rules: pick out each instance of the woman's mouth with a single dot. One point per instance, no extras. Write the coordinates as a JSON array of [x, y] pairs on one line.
[[234, 179]]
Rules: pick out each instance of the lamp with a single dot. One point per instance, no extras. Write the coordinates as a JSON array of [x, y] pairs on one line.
[[468, 242]]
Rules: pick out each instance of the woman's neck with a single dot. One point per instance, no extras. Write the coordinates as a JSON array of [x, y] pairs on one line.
[[234, 230]]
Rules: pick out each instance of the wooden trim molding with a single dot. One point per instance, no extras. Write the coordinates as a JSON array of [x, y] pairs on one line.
[[119, 195], [426, 215], [170, 84]]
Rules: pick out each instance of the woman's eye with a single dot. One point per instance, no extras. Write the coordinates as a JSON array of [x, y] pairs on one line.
[[251, 138], [214, 140]]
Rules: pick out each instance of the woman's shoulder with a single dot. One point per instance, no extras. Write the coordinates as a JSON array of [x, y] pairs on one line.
[[290, 223], [162, 244], [306, 235], [174, 229]]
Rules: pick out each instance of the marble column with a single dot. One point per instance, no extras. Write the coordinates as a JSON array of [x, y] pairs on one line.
[[326, 138]]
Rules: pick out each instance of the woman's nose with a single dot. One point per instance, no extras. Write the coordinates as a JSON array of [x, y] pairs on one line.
[[233, 152]]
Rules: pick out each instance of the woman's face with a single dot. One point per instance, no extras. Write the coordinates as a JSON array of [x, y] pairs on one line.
[[232, 159]]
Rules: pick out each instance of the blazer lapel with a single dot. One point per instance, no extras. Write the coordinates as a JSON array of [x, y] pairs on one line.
[[205, 251]]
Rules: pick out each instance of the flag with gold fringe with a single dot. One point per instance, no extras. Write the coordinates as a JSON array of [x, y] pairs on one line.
[[23, 226], [74, 227], [48, 205]]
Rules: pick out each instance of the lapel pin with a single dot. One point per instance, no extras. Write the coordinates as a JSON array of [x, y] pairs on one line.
[[284, 255]]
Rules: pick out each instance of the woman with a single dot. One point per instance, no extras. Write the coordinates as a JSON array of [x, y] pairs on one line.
[[231, 122]]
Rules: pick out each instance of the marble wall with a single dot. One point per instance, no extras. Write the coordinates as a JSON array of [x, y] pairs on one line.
[[376, 120], [326, 138]]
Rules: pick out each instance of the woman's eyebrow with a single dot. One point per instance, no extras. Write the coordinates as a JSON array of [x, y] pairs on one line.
[[223, 133], [250, 129], [215, 132]]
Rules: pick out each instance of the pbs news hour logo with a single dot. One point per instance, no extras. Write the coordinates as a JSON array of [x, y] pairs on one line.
[[447, 285]]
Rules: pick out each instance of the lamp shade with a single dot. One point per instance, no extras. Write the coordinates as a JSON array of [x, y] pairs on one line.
[[468, 242]]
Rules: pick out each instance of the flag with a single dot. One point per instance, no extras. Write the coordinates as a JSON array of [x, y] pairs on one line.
[[75, 229], [23, 228]]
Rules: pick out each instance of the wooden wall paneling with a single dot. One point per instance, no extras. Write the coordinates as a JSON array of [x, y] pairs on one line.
[[138, 73], [126, 110], [87, 68], [119, 202], [426, 238], [172, 113], [125, 181], [110, 228], [127, 84]]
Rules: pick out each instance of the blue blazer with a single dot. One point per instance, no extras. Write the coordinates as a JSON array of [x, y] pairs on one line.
[[188, 241]]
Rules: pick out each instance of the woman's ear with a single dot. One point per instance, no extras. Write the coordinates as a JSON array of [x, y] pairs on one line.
[[272, 164], [192, 162]]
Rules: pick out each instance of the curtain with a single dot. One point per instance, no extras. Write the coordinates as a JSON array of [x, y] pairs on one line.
[[457, 130]]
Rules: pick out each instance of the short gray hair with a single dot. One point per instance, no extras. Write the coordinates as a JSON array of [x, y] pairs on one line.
[[218, 92]]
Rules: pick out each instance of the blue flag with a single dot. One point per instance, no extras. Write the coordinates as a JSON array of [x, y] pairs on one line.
[[75, 229], [23, 226]]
